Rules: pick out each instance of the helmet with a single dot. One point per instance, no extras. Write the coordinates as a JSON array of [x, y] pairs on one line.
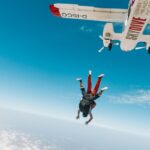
[[85, 114]]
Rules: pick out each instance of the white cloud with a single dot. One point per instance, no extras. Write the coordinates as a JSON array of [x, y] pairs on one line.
[[86, 29], [139, 97], [11, 140]]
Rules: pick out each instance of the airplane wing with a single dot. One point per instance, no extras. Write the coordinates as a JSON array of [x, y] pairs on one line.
[[74, 11]]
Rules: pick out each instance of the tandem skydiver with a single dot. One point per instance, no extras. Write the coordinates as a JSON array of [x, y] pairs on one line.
[[87, 102]]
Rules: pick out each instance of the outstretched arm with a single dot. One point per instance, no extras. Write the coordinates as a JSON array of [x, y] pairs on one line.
[[78, 114], [97, 95]]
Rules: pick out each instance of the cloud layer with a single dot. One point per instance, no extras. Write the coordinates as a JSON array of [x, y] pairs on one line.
[[11, 140], [139, 97]]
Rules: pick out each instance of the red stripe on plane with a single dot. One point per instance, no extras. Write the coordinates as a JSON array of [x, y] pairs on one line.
[[54, 10]]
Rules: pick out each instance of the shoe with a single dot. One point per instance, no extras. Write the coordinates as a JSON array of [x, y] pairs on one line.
[[101, 75], [104, 88], [90, 72], [79, 79]]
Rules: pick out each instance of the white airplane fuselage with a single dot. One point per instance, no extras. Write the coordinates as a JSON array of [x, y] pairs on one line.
[[138, 18], [135, 19]]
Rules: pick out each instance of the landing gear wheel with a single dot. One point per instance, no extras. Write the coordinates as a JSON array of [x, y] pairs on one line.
[[110, 46], [148, 50]]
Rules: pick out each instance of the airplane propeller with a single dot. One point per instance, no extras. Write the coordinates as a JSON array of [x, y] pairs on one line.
[[116, 44], [101, 37], [101, 49], [142, 47]]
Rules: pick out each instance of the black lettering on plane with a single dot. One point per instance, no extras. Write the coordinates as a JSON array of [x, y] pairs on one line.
[[70, 15]]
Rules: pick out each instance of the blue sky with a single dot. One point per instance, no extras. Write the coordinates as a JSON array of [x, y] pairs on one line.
[[41, 56]]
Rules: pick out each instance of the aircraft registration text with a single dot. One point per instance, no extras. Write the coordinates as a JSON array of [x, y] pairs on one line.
[[70, 15]]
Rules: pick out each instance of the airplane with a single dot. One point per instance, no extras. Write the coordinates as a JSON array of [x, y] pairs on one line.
[[135, 20]]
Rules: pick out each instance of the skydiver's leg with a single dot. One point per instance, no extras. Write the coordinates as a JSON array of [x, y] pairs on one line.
[[89, 86], [78, 114], [97, 84]]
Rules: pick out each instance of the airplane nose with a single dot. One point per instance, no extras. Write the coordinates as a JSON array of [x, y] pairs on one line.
[[54, 10]]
